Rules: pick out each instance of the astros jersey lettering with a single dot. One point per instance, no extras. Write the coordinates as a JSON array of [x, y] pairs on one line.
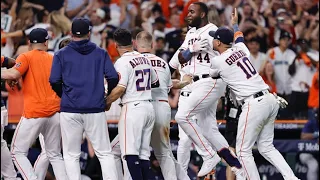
[[133, 65], [235, 69]]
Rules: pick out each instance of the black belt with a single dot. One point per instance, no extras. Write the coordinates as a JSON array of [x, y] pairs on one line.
[[258, 94], [197, 78]]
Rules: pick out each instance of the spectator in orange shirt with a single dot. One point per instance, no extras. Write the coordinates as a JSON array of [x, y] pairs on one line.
[[267, 75], [313, 100], [41, 107]]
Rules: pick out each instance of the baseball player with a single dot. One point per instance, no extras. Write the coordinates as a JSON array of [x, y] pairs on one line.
[[137, 77], [42, 163], [160, 140], [184, 143], [205, 93], [7, 168], [77, 76], [259, 107], [41, 107]]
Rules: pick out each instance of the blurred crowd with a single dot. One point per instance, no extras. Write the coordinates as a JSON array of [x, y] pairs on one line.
[[282, 35]]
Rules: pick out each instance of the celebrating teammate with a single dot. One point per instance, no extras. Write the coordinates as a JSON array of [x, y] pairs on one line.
[[41, 107], [259, 107], [137, 77], [160, 140], [205, 93], [77, 76]]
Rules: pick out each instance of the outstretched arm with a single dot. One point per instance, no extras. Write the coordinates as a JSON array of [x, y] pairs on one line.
[[238, 36]]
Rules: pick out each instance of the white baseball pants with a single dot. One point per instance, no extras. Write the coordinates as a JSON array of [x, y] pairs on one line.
[[205, 93], [95, 126], [135, 127], [256, 124], [7, 168], [160, 142], [26, 133], [42, 163]]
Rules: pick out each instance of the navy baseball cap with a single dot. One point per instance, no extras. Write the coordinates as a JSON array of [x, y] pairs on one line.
[[80, 26], [223, 34], [38, 35]]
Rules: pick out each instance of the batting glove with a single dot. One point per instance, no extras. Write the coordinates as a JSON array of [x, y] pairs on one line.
[[199, 45], [282, 102]]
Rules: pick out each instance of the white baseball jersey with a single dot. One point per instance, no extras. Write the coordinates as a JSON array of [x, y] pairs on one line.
[[136, 75], [281, 62], [163, 71], [200, 61], [235, 68]]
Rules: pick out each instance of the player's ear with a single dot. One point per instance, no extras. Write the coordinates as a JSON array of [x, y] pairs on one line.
[[202, 15]]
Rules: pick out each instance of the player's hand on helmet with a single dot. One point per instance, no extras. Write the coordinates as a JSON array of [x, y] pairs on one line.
[[199, 45], [234, 17], [282, 102]]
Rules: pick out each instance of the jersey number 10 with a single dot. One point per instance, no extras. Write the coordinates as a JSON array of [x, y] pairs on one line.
[[145, 75], [246, 67]]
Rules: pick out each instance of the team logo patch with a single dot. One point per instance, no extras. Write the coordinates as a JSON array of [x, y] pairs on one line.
[[18, 64]]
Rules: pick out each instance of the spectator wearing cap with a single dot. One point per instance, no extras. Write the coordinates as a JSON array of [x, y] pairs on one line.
[[41, 107], [257, 58], [78, 72], [282, 22], [301, 71], [281, 57], [97, 19], [159, 27]]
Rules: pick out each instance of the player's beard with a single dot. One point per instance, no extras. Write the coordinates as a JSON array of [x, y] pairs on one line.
[[196, 22]]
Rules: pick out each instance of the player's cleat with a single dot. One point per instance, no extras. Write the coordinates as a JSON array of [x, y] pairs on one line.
[[209, 165], [240, 175]]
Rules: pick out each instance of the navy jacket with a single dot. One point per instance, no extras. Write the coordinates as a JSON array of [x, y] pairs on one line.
[[77, 76]]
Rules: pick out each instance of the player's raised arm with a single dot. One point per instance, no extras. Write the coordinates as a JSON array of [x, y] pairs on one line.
[[238, 35]]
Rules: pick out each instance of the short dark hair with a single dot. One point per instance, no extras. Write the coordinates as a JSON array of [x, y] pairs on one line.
[[203, 7], [122, 37], [64, 43]]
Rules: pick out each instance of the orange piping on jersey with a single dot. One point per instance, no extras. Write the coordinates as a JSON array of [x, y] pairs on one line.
[[244, 131], [305, 58], [114, 145], [20, 169], [36, 163], [15, 137], [193, 110], [272, 54], [237, 34]]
